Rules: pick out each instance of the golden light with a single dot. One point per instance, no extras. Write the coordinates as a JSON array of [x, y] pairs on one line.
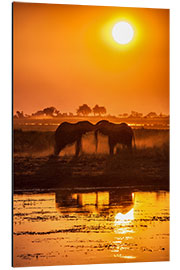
[[124, 219], [122, 32]]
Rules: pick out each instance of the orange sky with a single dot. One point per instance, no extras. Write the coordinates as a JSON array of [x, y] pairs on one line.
[[65, 56]]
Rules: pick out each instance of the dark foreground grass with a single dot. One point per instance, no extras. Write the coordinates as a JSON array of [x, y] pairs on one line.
[[146, 166]]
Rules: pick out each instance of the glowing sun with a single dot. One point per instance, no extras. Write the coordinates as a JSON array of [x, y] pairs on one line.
[[122, 32]]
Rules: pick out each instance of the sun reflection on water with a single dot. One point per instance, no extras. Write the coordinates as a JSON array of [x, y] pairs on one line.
[[123, 222], [123, 219], [88, 226]]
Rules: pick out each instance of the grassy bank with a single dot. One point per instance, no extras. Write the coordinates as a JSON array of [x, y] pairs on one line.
[[146, 167]]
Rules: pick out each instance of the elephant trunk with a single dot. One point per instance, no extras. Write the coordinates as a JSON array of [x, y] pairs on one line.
[[96, 139]]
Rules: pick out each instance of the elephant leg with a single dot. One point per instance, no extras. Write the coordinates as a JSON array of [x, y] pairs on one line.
[[78, 146], [129, 146], [57, 150], [111, 149], [111, 146]]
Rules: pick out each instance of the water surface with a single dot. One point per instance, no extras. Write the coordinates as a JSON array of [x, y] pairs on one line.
[[90, 226]]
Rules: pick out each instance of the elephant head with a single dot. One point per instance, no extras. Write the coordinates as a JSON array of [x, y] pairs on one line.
[[103, 127], [69, 133], [116, 133]]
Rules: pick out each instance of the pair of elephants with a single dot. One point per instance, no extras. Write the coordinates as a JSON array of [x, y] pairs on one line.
[[68, 133]]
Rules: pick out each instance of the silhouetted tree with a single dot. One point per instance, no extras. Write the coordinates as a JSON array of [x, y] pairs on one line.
[[84, 110], [135, 114], [151, 115], [163, 115], [96, 109], [99, 110], [38, 113], [59, 114], [123, 115], [20, 114], [51, 111]]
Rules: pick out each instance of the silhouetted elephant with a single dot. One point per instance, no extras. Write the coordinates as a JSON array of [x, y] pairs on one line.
[[68, 133], [117, 133]]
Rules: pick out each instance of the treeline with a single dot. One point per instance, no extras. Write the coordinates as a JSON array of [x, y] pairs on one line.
[[83, 110]]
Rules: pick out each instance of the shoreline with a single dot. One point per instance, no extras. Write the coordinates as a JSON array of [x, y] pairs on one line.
[[93, 189]]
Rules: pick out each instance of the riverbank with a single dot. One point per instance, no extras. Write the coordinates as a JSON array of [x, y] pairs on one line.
[[146, 167]]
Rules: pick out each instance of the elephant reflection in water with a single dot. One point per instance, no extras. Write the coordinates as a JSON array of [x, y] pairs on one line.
[[109, 201], [117, 133], [68, 133]]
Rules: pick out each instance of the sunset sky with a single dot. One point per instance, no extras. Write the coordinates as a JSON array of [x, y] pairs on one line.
[[65, 56]]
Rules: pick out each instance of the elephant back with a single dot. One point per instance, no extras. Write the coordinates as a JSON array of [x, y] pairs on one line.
[[84, 126]]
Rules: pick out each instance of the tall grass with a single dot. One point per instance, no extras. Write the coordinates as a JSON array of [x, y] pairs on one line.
[[149, 143]]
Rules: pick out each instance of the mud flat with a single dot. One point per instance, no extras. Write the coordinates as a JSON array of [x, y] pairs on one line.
[[147, 167]]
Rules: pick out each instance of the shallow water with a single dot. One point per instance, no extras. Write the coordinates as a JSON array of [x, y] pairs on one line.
[[90, 226]]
